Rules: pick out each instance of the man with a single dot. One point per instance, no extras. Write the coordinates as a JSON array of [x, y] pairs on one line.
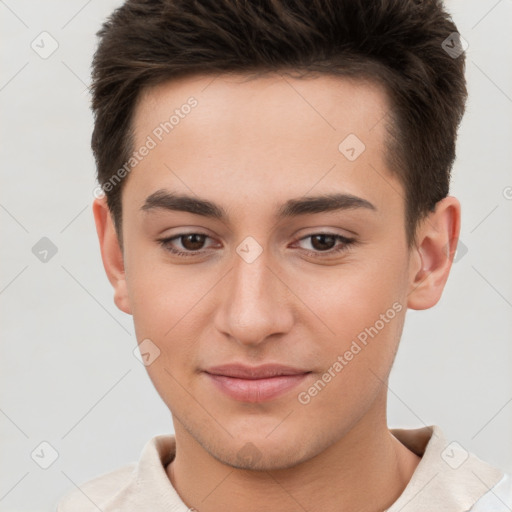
[[276, 178]]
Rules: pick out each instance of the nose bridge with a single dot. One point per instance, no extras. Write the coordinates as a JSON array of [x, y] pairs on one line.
[[251, 277], [253, 308]]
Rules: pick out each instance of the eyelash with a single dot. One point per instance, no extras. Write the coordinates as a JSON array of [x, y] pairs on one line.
[[347, 243]]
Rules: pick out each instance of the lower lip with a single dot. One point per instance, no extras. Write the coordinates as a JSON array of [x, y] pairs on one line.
[[256, 390]]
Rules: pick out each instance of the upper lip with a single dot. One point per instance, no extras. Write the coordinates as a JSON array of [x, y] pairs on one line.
[[241, 371]]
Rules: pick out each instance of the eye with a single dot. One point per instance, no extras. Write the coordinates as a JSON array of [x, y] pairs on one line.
[[325, 243], [191, 243]]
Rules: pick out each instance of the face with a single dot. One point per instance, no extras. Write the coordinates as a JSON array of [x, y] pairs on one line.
[[263, 274]]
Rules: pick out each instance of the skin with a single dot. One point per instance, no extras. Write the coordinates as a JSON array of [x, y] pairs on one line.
[[249, 146]]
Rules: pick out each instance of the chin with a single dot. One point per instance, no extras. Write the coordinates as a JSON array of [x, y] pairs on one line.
[[258, 453], [253, 459]]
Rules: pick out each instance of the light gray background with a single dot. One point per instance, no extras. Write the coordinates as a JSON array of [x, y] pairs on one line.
[[67, 370]]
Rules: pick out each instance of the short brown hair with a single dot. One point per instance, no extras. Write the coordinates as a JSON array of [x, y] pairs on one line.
[[400, 44]]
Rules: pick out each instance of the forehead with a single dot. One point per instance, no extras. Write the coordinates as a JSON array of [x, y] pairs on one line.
[[272, 100], [263, 136]]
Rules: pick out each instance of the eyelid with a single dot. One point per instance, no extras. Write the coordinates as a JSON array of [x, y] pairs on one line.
[[346, 243], [167, 239]]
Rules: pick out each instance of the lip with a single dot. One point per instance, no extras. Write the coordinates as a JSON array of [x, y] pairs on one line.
[[255, 383]]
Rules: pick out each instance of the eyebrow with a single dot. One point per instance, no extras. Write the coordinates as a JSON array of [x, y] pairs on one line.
[[163, 199]]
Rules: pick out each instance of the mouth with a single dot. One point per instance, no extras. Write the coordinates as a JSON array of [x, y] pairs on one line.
[[257, 383]]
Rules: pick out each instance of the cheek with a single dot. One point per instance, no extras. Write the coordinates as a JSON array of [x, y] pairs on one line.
[[168, 305], [162, 295], [364, 309], [355, 296]]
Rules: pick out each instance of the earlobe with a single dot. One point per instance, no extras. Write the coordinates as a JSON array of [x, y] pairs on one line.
[[432, 257], [111, 253]]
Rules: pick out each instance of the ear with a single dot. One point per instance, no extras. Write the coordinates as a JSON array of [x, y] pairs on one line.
[[431, 258], [111, 253]]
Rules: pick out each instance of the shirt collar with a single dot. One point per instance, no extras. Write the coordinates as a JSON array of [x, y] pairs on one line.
[[447, 479]]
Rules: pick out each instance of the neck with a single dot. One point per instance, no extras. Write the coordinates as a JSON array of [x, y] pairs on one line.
[[364, 471]]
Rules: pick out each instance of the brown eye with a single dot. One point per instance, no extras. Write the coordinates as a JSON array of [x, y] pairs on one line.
[[185, 244], [327, 244], [193, 241], [322, 242]]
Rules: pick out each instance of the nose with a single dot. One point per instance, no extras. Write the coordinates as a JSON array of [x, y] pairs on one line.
[[255, 303]]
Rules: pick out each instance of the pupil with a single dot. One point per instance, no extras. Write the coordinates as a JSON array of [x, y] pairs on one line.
[[322, 246], [195, 243]]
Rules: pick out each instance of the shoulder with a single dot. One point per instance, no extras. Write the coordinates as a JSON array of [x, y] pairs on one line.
[[99, 491], [142, 485], [498, 498]]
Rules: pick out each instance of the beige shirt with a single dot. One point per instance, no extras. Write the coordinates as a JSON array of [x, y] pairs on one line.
[[447, 479]]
